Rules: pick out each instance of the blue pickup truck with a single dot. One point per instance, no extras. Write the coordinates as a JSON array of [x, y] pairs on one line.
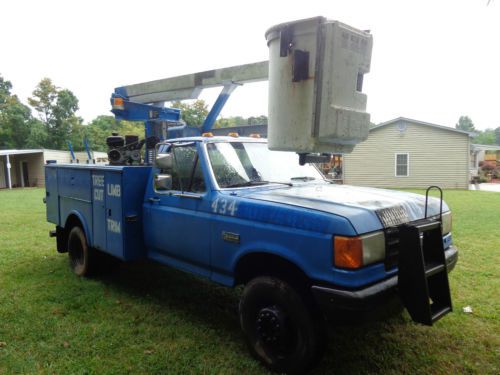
[[229, 209]]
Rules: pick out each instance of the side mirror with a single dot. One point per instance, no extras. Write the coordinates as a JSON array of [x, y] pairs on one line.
[[163, 182], [164, 162]]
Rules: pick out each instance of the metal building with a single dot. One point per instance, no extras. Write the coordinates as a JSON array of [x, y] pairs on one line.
[[24, 168]]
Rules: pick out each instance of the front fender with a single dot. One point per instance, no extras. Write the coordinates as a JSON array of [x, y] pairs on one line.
[[266, 248]]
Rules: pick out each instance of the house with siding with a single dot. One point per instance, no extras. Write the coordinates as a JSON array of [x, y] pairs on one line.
[[24, 168], [406, 153], [489, 154]]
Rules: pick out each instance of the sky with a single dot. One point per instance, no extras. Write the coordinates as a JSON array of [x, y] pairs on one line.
[[432, 60]]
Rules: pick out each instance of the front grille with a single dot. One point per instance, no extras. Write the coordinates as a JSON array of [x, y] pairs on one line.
[[391, 247], [392, 216]]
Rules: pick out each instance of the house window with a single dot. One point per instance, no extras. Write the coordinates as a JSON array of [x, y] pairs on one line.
[[402, 165]]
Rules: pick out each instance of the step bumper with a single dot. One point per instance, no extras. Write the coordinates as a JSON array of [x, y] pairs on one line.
[[335, 298]]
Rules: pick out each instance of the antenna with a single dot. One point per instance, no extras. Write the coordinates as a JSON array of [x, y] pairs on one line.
[[72, 153], [87, 148]]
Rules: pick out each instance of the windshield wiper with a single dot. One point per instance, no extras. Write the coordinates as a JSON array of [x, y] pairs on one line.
[[247, 183], [278, 182], [303, 178], [257, 183]]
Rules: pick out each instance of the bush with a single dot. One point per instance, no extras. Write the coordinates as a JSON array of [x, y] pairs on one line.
[[487, 167], [496, 173], [484, 176]]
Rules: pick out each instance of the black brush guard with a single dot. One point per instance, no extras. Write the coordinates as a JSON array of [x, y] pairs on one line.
[[422, 274]]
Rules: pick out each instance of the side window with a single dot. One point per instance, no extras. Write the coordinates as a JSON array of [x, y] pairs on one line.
[[186, 170]]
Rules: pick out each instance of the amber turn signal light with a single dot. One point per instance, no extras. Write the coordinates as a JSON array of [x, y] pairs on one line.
[[348, 252], [118, 103]]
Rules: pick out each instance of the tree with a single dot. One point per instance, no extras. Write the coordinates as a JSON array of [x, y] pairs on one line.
[[486, 137], [15, 118], [38, 137], [259, 120], [56, 108], [100, 128], [43, 101], [226, 122], [497, 136], [194, 113], [465, 123], [5, 87]]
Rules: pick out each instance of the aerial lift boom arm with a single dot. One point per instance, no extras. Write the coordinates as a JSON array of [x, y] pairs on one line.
[[189, 86], [145, 101]]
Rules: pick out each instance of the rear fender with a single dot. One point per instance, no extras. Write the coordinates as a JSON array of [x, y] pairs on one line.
[[68, 222]]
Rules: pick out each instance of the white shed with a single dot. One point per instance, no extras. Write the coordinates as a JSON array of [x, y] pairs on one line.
[[24, 168]]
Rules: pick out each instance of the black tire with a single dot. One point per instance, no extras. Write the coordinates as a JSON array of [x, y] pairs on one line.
[[280, 326], [81, 256]]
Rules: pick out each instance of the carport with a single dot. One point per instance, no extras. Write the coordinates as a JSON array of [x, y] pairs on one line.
[[15, 167]]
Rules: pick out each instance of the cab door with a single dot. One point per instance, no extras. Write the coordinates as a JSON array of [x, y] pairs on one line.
[[177, 214]]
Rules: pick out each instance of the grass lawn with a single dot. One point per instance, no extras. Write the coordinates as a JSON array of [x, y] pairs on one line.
[[147, 319]]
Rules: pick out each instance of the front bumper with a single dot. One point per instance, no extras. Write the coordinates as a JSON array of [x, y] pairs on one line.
[[333, 298]]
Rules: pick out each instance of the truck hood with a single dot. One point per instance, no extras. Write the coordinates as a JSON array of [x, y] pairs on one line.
[[368, 209]]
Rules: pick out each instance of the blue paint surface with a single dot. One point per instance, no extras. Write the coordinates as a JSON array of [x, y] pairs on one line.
[[124, 216], [111, 216]]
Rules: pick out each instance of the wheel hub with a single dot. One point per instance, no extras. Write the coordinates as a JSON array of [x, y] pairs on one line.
[[271, 325]]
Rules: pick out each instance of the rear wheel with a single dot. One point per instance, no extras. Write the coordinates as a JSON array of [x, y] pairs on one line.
[[280, 327], [81, 256]]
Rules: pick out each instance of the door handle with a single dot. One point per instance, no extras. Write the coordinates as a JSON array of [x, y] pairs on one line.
[[154, 200]]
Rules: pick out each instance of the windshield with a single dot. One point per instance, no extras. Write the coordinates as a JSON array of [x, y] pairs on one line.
[[237, 164]]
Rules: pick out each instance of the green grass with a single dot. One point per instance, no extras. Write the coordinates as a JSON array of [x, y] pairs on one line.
[[147, 319]]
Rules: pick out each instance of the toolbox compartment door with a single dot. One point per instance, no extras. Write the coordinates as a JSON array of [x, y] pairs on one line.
[[52, 195], [113, 215], [99, 224]]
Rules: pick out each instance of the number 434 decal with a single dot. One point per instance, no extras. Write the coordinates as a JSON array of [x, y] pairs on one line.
[[224, 206]]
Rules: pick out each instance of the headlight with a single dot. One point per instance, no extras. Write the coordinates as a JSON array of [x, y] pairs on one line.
[[355, 252], [446, 222]]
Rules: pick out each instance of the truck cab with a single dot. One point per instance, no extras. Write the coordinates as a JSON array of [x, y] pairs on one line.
[[221, 204]]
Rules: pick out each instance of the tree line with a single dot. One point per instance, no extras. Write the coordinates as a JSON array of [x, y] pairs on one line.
[[195, 112], [49, 120], [489, 136]]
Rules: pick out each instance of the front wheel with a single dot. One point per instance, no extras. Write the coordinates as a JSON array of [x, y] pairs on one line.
[[279, 326]]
